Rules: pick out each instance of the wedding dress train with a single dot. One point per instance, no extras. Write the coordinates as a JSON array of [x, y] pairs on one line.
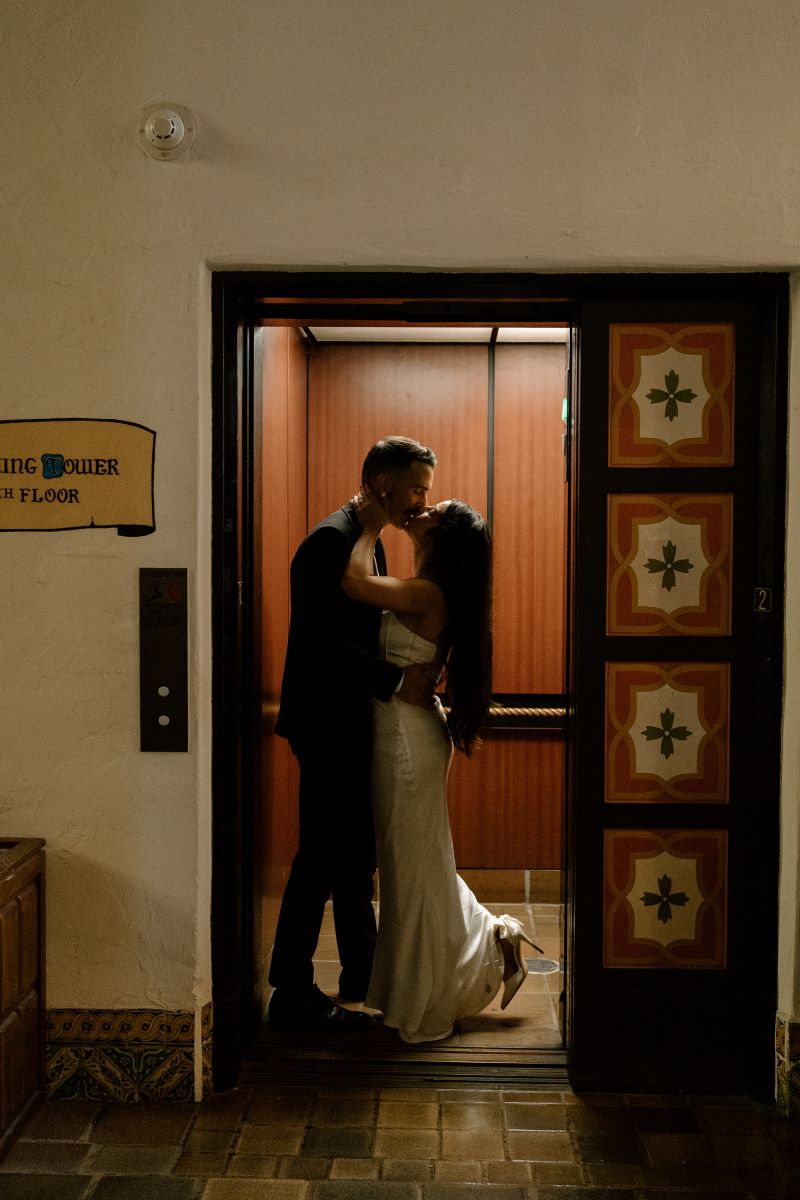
[[437, 957]]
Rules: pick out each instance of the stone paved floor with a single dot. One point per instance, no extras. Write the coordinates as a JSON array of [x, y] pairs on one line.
[[309, 1143]]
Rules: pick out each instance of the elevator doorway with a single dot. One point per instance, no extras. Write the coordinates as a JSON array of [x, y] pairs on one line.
[[492, 402], [663, 931]]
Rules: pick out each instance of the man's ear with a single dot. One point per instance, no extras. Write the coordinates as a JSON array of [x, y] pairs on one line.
[[382, 485]]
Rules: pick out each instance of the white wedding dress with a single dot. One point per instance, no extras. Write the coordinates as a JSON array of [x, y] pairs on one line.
[[437, 956]]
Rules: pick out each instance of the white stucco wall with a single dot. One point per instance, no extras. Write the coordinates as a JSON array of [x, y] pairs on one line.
[[426, 133]]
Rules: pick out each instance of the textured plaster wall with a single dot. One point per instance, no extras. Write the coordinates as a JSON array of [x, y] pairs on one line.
[[426, 133]]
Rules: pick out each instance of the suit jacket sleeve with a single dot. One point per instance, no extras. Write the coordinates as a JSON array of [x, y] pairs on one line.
[[325, 615]]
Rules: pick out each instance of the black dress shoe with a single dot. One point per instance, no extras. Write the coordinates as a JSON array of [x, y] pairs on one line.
[[314, 1011]]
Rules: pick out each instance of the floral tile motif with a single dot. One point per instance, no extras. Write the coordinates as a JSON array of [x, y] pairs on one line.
[[64, 1068], [671, 390], [122, 1073], [124, 1055], [665, 898], [669, 564], [667, 732]]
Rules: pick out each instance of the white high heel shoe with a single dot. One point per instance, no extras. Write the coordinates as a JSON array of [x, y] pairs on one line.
[[510, 930]]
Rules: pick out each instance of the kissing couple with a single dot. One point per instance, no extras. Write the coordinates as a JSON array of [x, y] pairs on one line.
[[365, 655]]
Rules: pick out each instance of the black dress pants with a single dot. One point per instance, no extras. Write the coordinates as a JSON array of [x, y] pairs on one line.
[[336, 859]]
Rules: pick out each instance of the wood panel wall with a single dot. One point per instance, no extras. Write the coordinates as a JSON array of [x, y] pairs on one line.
[[523, 773], [360, 393], [283, 511], [530, 510], [506, 801]]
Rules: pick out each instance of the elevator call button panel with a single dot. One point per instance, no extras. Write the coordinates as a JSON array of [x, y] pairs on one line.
[[163, 659]]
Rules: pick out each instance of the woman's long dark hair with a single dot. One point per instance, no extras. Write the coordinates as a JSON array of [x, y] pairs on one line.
[[458, 557]]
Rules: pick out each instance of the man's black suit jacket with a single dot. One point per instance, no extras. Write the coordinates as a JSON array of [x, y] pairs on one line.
[[332, 668]]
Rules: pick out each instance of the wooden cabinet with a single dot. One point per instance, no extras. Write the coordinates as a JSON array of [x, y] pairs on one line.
[[21, 979]]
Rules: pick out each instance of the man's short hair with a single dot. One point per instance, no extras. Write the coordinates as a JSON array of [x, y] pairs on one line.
[[395, 454]]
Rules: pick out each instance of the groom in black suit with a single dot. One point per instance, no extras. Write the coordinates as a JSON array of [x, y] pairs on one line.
[[332, 672]]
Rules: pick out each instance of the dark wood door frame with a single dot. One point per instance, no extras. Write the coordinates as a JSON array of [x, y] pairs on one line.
[[241, 301]]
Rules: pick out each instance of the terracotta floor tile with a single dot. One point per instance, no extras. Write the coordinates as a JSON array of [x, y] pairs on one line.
[[257, 1189], [535, 1116], [472, 1143], [475, 1191], [661, 1119], [408, 1114], [45, 1187], [735, 1122], [612, 1147], [225, 1111], [747, 1149], [508, 1172], [614, 1175], [710, 1177], [198, 1163], [354, 1168], [786, 1140], [271, 1110], [363, 1189], [221, 1118], [259, 1166], [131, 1160], [472, 1116], [599, 1120], [407, 1143], [47, 1158], [57, 1120], [541, 1146], [144, 1124], [333, 1141], [353, 1113], [683, 1148], [147, 1187], [303, 1167], [208, 1141], [515, 1034], [778, 1180], [595, 1100], [270, 1139], [458, 1172], [415, 1169], [559, 1174]]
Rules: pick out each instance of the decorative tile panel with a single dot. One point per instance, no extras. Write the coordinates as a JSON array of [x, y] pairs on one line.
[[669, 564], [787, 1063], [665, 898], [671, 390], [206, 1036], [667, 732], [124, 1055]]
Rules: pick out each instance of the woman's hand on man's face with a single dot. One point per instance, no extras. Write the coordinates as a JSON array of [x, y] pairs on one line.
[[371, 511]]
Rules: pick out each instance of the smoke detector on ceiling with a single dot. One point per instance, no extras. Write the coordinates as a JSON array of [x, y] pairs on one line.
[[166, 131]]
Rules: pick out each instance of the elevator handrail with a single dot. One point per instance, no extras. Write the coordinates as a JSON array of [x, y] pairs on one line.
[[555, 715]]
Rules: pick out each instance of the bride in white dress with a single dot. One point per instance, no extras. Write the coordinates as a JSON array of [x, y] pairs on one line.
[[440, 955]]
